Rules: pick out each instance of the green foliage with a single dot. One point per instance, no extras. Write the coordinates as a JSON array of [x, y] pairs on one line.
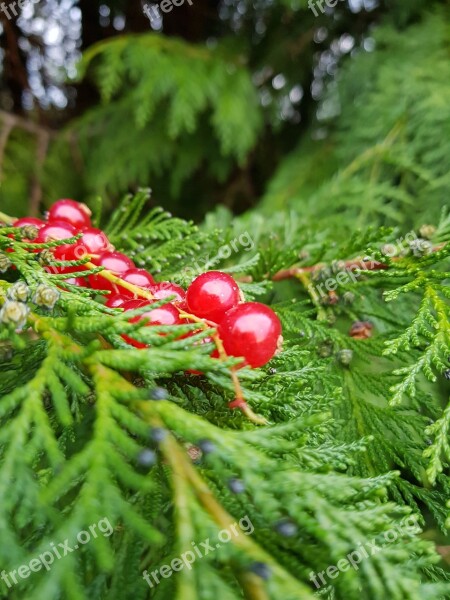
[[381, 163], [169, 94], [79, 406], [205, 123], [358, 429], [394, 389], [18, 170]]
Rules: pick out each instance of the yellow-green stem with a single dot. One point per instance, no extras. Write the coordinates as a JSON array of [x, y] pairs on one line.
[[182, 467], [138, 291], [109, 276]]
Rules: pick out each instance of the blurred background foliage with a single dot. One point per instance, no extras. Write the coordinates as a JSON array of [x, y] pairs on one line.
[[227, 102], [307, 127]]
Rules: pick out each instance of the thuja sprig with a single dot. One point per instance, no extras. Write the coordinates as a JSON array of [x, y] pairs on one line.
[[84, 434], [6, 219], [78, 215], [204, 324], [185, 477], [374, 262]]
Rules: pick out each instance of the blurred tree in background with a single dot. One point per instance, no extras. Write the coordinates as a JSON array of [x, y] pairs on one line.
[[227, 102]]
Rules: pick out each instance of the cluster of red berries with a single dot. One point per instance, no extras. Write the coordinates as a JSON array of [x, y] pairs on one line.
[[246, 329]]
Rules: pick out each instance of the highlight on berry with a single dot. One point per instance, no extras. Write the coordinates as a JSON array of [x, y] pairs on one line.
[[66, 243]]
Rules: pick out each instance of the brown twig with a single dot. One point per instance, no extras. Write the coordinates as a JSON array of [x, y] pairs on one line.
[[351, 265], [356, 264], [25, 124], [14, 65]]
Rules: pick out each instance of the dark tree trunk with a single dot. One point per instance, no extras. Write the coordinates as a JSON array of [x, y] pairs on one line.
[[136, 21], [15, 77], [192, 22], [91, 33]]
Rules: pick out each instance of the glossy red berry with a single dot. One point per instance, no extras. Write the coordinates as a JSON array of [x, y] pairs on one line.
[[72, 212], [166, 289], [139, 277], [116, 301], [57, 230], [25, 221], [115, 262], [164, 315], [211, 294], [77, 281], [92, 242], [136, 303], [251, 330]]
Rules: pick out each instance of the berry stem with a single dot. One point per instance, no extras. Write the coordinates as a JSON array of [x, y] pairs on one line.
[[239, 401], [136, 290], [354, 264], [304, 278]]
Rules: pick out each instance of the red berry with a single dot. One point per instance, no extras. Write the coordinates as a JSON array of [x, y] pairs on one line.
[[57, 230], [211, 294], [24, 221], [136, 303], [59, 270], [77, 281], [93, 241], [115, 262], [251, 330], [166, 289], [164, 315], [139, 277], [116, 301], [72, 212], [64, 252]]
